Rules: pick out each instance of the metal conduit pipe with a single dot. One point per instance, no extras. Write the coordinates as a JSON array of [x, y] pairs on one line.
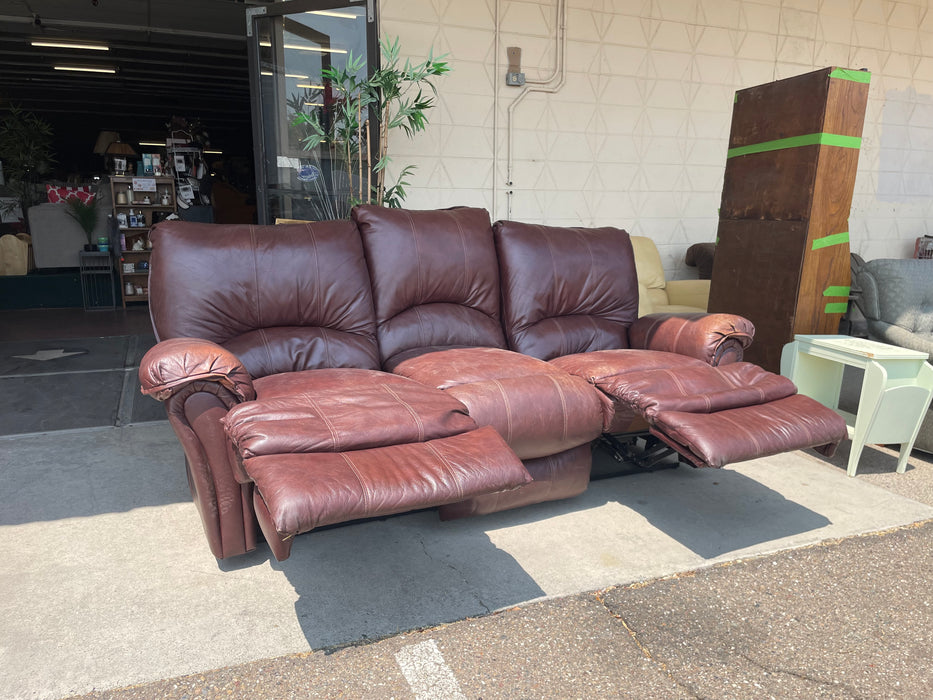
[[495, 118], [544, 86]]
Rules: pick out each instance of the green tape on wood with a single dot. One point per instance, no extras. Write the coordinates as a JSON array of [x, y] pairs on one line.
[[820, 139], [839, 291], [834, 239], [839, 307], [856, 76]]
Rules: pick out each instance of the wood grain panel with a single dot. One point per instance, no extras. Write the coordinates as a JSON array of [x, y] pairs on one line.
[[756, 274], [781, 109], [781, 207]]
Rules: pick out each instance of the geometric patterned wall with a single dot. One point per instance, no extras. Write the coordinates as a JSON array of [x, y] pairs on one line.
[[637, 135]]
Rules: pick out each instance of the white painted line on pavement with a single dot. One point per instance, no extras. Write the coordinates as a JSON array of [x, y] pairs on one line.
[[427, 673]]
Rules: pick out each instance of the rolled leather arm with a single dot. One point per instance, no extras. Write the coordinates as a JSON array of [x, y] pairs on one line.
[[714, 338], [174, 363]]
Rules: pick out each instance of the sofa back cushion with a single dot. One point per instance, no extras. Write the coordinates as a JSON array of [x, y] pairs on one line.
[[566, 290], [434, 276], [281, 298]]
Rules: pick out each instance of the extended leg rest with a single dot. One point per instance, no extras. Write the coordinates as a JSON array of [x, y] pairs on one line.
[[715, 416], [296, 493], [328, 446]]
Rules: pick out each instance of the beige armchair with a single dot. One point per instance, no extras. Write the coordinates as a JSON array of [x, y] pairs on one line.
[[655, 293]]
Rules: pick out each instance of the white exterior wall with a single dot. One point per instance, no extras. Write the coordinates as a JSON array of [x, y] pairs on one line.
[[637, 135]]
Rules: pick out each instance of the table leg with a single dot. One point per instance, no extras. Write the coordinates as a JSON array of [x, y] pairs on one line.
[[890, 414]]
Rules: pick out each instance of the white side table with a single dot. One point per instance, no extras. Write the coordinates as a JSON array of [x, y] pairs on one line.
[[895, 393]]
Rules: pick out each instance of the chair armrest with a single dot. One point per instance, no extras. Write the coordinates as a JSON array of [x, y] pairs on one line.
[[894, 334], [714, 338], [688, 293], [172, 364]]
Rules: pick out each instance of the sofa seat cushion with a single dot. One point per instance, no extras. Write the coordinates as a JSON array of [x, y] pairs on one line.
[[538, 408], [750, 432], [605, 365], [450, 367], [701, 389], [337, 410], [299, 492]]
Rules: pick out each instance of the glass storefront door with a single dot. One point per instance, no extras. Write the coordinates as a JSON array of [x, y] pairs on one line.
[[290, 44]]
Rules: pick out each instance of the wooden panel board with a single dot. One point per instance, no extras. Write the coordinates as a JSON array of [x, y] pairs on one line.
[[781, 109], [776, 185], [756, 274], [783, 234]]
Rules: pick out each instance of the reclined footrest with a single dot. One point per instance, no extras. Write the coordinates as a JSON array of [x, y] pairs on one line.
[[750, 432], [340, 445], [714, 416], [303, 491]]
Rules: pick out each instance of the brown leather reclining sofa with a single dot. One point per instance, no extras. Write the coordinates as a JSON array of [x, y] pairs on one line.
[[324, 372]]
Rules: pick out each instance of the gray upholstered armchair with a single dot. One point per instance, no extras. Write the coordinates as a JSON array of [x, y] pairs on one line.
[[897, 301], [896, 298]]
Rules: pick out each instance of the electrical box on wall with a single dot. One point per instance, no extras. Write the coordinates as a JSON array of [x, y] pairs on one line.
[[514, 76]]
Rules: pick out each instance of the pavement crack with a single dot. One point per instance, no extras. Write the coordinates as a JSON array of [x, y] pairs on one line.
[[459, 573], [852, 691], [599, 595]]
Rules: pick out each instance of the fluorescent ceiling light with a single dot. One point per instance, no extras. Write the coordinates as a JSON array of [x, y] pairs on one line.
[[319, 49], [265, 42], [314, 104], [331, 13], [66, 45], [216, 153], [298, 76], [310, 86], [86, 69], [152, 143]]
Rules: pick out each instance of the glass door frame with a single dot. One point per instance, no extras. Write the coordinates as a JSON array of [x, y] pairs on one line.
[[281, 9]]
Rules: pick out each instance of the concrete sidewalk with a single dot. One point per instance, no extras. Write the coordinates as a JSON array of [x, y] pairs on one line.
[[845, 619], [108, 581]]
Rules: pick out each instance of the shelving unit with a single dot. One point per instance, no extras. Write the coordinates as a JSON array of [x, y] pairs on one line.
[[183, 157], [136, 200]]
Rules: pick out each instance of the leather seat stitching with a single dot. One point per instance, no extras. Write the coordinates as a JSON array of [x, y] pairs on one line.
[[408, 407], [364, 489], [333, 431], [508, 409], [448, 467], [563, 407]]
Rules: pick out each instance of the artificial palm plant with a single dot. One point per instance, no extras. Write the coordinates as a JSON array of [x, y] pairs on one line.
[[397, 96]]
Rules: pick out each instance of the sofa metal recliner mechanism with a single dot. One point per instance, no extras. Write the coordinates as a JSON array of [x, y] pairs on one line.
[[324, 372]]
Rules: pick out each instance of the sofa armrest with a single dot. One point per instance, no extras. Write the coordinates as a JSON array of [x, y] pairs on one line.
[[714, 338], [688, 293], [175, 363]]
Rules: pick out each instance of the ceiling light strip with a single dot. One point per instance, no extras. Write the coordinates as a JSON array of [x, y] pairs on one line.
[[64, 45], [331, 13], [319, 49], [86, 69]]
